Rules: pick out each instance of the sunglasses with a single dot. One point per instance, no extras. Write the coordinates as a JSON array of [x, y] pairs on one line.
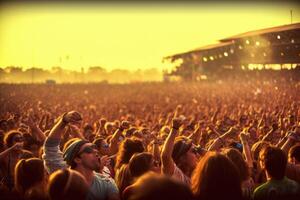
[[89, 149]]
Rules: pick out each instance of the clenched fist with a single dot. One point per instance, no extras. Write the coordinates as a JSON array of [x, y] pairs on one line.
[[176, 123], [72, 117]]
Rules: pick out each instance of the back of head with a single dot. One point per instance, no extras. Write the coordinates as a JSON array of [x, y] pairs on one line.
[[181, 146], [28, 173], [237, 159], [274, 161], [153, 186], [140, 163], [67, 184], [128, 147], [216, 177]]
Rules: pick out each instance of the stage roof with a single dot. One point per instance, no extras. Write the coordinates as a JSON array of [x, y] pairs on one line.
[[230, 40], [263, 31]]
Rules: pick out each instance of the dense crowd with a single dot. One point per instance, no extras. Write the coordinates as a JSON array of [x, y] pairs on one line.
[[230, 139]]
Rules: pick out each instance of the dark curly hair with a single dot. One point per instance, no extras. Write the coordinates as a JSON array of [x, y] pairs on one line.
[[128, 147]]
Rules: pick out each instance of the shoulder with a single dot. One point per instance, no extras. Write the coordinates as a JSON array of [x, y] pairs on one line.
[[101, 177], [291, 184], [179, 175], [260, 190], [106, 182]]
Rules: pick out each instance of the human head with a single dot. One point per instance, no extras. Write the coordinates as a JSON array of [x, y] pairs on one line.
[[12, 137], [237, 159], [274, 161], [31, 144], [102, 146], [216, 177], [88, 131], [67, 184], [128, 147], [28, 172], [141, 163], [153, 186], [82, 153], [294, 154], [183, 155]]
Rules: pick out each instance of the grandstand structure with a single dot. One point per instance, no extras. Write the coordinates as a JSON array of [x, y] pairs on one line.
[[262, 49]]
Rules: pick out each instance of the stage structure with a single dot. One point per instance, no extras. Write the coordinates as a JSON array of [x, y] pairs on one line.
[[260, 48]]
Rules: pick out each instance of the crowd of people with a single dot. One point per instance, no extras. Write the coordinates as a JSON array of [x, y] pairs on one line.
[[230, 139]]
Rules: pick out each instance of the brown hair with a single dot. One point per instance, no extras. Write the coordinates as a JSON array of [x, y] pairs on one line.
[[216, 177], [128, 147], [237, 158], [274, 160], [140, 163], [28, 173], [153, 186], [67, 184]]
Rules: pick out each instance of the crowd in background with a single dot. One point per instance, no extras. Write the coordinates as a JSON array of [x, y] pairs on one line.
[[231, 139]]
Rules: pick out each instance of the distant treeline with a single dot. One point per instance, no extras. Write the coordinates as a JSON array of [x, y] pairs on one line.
[[13, 74]]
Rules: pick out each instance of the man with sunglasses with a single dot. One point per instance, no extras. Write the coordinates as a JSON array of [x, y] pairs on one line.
[[81, 156]]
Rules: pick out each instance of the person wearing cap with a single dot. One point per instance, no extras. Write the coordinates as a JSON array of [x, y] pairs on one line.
[[80, 156], [177, 156]]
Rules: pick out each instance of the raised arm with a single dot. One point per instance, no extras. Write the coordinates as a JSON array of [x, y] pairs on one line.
[[166, 154], [270, 133], [57, 131], [53, 157], [246, 149], [101, 130], [214, 117], [155, 150], [292, 138], [217, 144], [115, 138], [75, 131], [36, 132], [6, 152], [195, 136]]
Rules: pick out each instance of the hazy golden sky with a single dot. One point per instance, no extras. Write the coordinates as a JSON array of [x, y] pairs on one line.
[[123, 36]]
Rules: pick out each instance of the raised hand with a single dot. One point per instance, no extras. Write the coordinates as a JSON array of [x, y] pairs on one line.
[[124, 125], [244, 136], [176, 123], [102, 122], [72, 117]]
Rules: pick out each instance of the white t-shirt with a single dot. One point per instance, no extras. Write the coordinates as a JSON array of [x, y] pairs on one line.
[[180, 176]]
